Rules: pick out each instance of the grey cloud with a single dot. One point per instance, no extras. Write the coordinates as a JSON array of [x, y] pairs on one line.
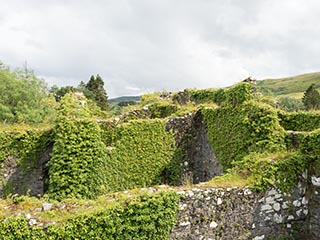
[[151, 45]]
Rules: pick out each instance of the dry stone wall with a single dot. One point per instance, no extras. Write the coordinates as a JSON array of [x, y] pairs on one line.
[[239, 213]]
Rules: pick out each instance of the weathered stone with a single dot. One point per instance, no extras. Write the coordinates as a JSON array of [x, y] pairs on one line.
[[32, 222], [46, 206], [259, 237], [266, 207], [296, 203], [270, 200], [277, 218], [213, 224], [285, 205], [290, 217], [276, 206]]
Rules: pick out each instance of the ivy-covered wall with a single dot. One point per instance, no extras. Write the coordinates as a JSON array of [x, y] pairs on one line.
[[23, 155], [146, 216], [139, 153], [77, 167], [236, 131], [299, 121]]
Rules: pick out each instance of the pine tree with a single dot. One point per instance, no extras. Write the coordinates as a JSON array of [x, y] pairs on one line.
[[311, 98], [95, 91]]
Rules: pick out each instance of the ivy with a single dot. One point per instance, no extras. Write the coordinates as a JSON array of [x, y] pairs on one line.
[[140, 152], [281, 170], [24, 148], [147, 216], [162, 109], [234, 132], [239, 94], [299, 121], [76, 168]]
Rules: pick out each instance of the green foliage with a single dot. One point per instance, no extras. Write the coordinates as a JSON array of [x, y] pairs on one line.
[[280, 170], [203, 95], [76, 168], [150, 98], [95, 91], [311, 151], [25, 147], [60, 92], [234, 96], [236, 131], [299, 121], [16, 228], [239, 93], [23, 97], [220, 96], [140, 151], [208, 96], [311, 98], [162, 109], [290, 104], [73, 106], [147, 216]]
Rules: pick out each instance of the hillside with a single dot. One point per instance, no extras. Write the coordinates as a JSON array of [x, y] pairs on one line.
[[124, 99], [292, 86]]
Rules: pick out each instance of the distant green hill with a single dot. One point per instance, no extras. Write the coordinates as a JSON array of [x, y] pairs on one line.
[[293, 86], [124, 99]]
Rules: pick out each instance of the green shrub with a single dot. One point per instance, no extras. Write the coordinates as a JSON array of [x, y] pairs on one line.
[[299, 121], [203, 95], [311, 151], [150, 98], [25, 146], [162, 109], [281, 170], [234, 95], [239, 93], [290, 104]]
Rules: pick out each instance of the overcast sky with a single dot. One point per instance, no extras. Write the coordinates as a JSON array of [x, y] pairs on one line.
[[140, 46]]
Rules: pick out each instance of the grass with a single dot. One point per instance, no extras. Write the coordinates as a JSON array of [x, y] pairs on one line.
[[293, 86], [16, 205], [229, 180]]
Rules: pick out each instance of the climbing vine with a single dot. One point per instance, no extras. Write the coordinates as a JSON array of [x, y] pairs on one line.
[[236, 131], [140, 152], [76, 168], [147, 216]]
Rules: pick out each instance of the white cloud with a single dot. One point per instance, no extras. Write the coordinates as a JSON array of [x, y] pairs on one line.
[[151, 45]]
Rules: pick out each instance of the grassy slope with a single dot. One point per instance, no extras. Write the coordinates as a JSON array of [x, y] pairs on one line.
[[293, 86], [124, 98]]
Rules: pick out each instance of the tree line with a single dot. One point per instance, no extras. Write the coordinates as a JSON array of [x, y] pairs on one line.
[[26, 98]]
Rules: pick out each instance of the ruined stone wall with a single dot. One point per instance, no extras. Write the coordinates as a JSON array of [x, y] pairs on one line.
[[200, 164], [234, 213]]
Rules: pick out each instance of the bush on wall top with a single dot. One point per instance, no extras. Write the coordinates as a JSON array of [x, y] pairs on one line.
[[299, 121]]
